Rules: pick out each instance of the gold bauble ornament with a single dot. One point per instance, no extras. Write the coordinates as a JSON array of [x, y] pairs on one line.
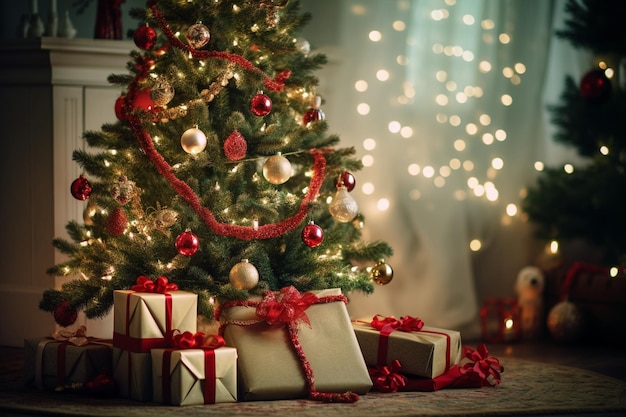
[[162, 92], [565, 322], [343, 207], [381, 273], [193, 141], [244, 275], [277, 169]]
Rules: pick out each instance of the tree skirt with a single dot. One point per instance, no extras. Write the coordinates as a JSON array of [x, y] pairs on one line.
[[527, 388]]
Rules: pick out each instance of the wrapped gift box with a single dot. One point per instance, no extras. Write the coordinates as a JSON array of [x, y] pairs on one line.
[[269, 367], [428, 353], [141, 321], [50, 363], [194, 376]]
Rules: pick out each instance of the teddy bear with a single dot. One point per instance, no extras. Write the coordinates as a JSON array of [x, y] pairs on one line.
[[529, 288]]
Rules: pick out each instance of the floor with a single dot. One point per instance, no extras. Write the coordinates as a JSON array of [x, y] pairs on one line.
[[610, 361], [607, 360]]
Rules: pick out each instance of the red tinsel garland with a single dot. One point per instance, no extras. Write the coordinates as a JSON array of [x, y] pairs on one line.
[[274, 85], [267, 231]]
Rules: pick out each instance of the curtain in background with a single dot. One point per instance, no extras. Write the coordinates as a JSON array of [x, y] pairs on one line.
[[445, 101]]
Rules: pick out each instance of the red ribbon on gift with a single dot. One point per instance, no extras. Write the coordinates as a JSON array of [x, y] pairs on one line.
[[145, 284], [288, 308], [387, 325], [476, 370], [188, 340], [160, 285], [387, 378], [486, 367], [132, 344]]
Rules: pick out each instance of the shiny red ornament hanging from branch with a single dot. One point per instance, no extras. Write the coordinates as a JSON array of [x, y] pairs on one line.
[[595, 86], [260, 105], [314, 114], [145, 37], [120, 111], [81, 188], [187, 243], [312, 235], [347, 180]]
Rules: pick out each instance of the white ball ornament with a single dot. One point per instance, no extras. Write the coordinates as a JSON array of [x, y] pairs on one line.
[[566, 322], [193, 141], [244, 275], [277, 169], [343, 208]]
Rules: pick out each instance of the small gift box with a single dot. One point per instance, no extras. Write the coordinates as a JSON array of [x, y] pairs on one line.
[[293, 345], [56, 362], [421, 350], [196, 373], [142, 317], [475, 370]]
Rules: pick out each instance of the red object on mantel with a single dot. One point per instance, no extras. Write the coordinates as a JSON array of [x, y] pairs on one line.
[[109, 19], [499, 320]]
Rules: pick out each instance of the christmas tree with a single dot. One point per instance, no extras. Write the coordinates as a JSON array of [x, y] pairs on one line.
[[585, 203], [219, 175]]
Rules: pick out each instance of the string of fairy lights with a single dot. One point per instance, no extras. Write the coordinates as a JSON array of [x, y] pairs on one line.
[[481, 176]]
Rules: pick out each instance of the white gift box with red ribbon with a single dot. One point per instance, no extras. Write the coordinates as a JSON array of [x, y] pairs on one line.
[[427, 352], [141, 321]]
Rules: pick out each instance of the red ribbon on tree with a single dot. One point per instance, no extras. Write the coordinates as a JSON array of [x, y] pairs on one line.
[[160, 285], [287, 308]]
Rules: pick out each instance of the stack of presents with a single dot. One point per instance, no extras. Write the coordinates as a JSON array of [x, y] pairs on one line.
[[285, 345]]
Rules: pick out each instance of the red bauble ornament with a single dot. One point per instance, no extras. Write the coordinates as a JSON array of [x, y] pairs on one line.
[[143, 100], [80, 188], [64, 314], [145, 37], [347, 180], [187, 243], [595, 85], [235, 146], [260, 105], [120, 112], [314, 114], [116, 223], [312, 235]]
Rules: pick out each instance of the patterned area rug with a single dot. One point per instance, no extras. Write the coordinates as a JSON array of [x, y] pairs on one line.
[[527, 388]]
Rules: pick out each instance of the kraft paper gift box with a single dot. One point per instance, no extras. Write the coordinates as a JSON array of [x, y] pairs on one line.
[[194, 376], [428, 353], [269, 367], [51, 363], [141, 321]]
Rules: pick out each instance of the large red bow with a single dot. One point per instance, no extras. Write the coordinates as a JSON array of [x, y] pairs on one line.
[[387, 378], [405, 323], [480, 363], [145, 284], [286, 307], [188, 340]]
